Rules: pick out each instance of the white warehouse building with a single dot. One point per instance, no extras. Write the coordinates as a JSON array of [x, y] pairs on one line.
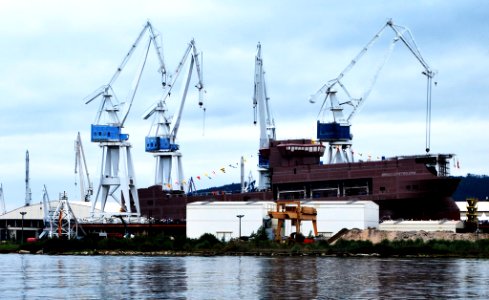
[[220, 218], [332, 216]]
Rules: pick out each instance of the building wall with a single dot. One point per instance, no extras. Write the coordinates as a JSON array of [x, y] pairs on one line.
[[335, 215], [219, 218]]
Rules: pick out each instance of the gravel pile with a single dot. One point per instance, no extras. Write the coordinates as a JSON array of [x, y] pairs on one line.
[[376, 236]]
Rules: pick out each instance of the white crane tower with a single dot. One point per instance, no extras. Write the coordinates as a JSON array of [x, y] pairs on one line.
[[337, 132], [161, 140], [263, 112], [117, 178]]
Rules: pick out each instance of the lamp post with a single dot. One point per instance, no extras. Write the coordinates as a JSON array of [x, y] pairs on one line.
[[240, 216], [22, 235]]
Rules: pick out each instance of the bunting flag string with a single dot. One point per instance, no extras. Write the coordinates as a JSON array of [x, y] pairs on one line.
[[227, 169]]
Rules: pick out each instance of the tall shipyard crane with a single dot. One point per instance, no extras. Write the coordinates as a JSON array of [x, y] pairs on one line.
[[117, 178], [337, 132], [263, 113], [161, 140]]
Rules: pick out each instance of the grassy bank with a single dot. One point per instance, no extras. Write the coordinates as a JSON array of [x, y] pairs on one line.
[[209, 245]]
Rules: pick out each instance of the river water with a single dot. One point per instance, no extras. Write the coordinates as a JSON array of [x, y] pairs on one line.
[[240, 277]]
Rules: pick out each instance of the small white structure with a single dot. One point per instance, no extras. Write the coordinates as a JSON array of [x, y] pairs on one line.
[[220, 218], [332, 216], [440, 225], [482, 209]]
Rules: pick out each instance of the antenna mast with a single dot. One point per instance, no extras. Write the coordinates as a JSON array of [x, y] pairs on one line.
[[28, 194], [2, 201]]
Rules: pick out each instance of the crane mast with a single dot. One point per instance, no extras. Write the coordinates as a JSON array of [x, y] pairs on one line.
[[262, 111], [337, 133], [117, 178], [161, 140]]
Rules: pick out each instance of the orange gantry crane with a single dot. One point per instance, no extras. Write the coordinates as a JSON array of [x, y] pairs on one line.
[[292, 210]]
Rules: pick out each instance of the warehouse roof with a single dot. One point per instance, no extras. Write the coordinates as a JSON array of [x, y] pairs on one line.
[[35, 211]]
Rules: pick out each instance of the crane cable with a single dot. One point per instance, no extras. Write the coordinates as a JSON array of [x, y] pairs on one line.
[[203, 122], [428, 113]]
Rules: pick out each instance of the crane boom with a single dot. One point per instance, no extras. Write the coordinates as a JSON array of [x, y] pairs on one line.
[[326, 87], [194, 61], [147, 27], [82, 169]]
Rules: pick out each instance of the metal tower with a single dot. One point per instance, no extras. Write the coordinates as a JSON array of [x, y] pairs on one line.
[[28, 193], [63, 222]]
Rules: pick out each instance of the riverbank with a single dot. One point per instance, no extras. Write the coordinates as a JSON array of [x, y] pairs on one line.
[[370, 242]]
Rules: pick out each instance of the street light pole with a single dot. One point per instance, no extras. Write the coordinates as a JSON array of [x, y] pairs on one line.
[[240, 216], [22, 236]]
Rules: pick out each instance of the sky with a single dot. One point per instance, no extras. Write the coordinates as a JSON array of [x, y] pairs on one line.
[[56, 53]]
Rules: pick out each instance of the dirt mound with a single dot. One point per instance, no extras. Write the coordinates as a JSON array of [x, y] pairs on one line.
[[376, 236]]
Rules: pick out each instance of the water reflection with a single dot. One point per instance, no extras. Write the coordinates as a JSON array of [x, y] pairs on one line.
[[124, 277]]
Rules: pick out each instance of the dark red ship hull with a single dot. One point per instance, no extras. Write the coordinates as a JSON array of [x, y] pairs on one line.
[[410, 187]]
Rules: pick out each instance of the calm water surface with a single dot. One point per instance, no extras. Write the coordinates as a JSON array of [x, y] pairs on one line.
[[230, 277]]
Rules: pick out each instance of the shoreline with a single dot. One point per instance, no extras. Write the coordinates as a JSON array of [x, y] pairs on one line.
[[353, 243]]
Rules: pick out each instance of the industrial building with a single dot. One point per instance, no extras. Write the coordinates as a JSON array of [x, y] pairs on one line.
[[28, 221], [228, 220]]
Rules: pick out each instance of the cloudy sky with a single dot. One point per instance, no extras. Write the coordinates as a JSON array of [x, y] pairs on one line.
[[55, 53]]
